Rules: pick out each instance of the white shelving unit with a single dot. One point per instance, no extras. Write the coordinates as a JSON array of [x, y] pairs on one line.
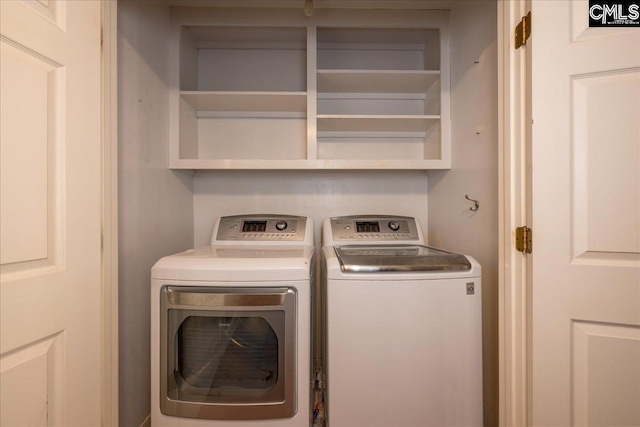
[[354, 90]]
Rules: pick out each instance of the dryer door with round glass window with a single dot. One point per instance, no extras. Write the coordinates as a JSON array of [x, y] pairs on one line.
[[230, 352]]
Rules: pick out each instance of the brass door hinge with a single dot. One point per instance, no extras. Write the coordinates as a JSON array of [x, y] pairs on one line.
[[524, 239], [523, 31]]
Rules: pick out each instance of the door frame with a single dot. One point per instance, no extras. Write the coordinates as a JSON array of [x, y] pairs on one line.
[[109, 213], [514, 130]]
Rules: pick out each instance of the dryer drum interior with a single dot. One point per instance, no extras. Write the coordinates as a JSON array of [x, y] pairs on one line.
[[229, 352], [219, 354]]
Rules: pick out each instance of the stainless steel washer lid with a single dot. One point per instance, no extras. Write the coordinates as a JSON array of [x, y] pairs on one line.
[[394, 258]]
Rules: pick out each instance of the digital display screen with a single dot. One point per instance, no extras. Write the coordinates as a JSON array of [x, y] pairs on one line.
[[254, 226], [367, 227]]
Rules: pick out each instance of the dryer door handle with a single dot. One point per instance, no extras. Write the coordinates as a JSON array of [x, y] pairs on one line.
[[183, 297]]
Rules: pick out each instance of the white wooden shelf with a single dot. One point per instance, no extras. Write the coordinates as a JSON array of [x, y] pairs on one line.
[[319, 164], [338, 90], [377, 81], [375, 164], [386, 123], [246, 101], [243, 164]]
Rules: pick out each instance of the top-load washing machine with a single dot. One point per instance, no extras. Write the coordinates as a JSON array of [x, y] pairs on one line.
[[403, 327], [230, 327]]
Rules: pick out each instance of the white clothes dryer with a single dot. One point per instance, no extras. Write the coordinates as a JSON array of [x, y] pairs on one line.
[[231, 325], [403, 327]]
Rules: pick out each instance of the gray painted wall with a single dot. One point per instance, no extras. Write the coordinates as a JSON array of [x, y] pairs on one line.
[[474, 171], [155, 204], [318, 195]]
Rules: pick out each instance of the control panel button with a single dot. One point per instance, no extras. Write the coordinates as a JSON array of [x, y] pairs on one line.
[[394, 225], [281, 225]]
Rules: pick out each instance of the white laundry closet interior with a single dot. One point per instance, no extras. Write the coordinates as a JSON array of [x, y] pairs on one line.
[[227, 108]]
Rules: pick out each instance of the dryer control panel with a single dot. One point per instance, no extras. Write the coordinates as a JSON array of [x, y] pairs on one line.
[[369, 228], [260, 228]]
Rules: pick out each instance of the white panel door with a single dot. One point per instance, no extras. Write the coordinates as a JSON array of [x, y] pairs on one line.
[[50, 204], [586, 219]]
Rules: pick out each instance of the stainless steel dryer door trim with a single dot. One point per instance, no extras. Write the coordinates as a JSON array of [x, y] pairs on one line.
[[266, 303]]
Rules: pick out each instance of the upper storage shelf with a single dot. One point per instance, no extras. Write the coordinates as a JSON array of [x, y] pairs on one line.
[[269, 89], [246, 101], [254, 58]]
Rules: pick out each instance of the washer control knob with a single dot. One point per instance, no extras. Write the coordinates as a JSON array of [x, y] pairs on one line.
[[394, 226], [281, 225]]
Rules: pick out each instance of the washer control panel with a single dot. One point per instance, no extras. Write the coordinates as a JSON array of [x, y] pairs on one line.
[[356, 229], [261, 228]]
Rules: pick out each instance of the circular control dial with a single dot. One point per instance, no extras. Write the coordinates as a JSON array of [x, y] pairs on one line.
[[281, 225], [394, 226]]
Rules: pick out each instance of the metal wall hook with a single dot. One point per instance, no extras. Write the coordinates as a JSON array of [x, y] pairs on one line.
[[476, 204]]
